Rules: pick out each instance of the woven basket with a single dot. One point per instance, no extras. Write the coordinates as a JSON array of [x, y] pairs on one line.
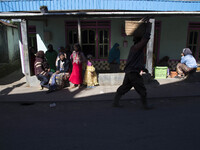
[[135, 28]]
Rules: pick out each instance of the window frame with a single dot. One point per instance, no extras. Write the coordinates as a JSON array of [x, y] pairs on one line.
[[194, 27], [103, 44], [91, 24]]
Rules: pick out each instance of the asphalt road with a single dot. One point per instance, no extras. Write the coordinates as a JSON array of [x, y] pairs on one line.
[[173, 125]]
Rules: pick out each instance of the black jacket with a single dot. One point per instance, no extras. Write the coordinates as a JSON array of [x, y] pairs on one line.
[[66, 66], [135, 61]]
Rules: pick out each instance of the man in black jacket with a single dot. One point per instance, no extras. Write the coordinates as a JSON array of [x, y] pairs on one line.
[[61, 75], [133, 70]]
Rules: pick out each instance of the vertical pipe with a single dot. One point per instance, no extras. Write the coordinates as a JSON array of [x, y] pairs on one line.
[[79, 31], [149, 56], [21, 49]]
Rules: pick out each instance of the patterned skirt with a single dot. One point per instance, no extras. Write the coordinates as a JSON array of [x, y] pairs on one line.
[[58, 80], [90, 78]]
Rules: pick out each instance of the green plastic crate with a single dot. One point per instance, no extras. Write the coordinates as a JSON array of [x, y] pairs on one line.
[[160, 72]]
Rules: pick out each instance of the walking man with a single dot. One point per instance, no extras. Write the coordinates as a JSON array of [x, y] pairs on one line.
[[133, 70]]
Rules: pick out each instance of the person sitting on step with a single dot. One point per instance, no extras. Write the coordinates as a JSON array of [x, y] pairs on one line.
[[42, 69], [187, 64], [59, 78]]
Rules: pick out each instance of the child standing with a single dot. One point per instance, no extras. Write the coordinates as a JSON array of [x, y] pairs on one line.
[[90, 78], [78, 59]]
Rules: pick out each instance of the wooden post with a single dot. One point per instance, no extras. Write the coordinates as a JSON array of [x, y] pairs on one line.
[[149, 54], [25, 52], [79, 31]]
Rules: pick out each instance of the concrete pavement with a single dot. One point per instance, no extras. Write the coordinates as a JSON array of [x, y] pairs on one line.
[[162, 88]]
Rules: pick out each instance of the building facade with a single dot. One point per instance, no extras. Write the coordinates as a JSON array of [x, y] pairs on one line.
[[9, 46], [98, 24]]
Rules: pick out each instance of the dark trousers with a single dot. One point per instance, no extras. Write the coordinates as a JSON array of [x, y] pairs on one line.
[[44, 80], [133, 79]]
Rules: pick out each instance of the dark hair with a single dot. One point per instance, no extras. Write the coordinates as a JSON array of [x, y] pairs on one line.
[[78, 46], [89, 56], [50, 47], [62, 49], [40, 54], [165, 58], [61, 53]]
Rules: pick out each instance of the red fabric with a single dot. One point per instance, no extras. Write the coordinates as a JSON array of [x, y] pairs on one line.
[[76, 75]]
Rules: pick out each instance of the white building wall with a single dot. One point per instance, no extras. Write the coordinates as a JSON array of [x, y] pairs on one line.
[[172, 40]]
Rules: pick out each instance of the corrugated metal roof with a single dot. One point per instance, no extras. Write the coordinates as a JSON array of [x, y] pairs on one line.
[[129, 5]]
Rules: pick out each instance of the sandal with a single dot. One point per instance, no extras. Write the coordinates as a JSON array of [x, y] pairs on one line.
[[179, 77]]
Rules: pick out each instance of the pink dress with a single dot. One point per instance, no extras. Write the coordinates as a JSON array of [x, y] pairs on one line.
[[76, 75]]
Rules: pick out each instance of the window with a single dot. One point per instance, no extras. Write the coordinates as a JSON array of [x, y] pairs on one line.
[[88, 41], [193, 41], [103, 43], [95, 37], [72, 36]]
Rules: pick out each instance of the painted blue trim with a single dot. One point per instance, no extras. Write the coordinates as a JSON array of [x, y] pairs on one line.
[[133, 5]]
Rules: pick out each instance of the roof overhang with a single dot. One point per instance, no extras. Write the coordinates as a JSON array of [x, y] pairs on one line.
[[25, 15], [7, 24]]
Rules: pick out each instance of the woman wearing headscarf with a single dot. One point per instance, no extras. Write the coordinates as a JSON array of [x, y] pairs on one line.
[[78, 59], [114, 58], [187, 64]]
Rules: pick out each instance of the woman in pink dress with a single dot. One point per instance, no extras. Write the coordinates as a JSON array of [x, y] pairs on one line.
[[77, 58]]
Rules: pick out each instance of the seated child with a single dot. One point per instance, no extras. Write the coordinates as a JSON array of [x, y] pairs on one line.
[[90, 78]]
